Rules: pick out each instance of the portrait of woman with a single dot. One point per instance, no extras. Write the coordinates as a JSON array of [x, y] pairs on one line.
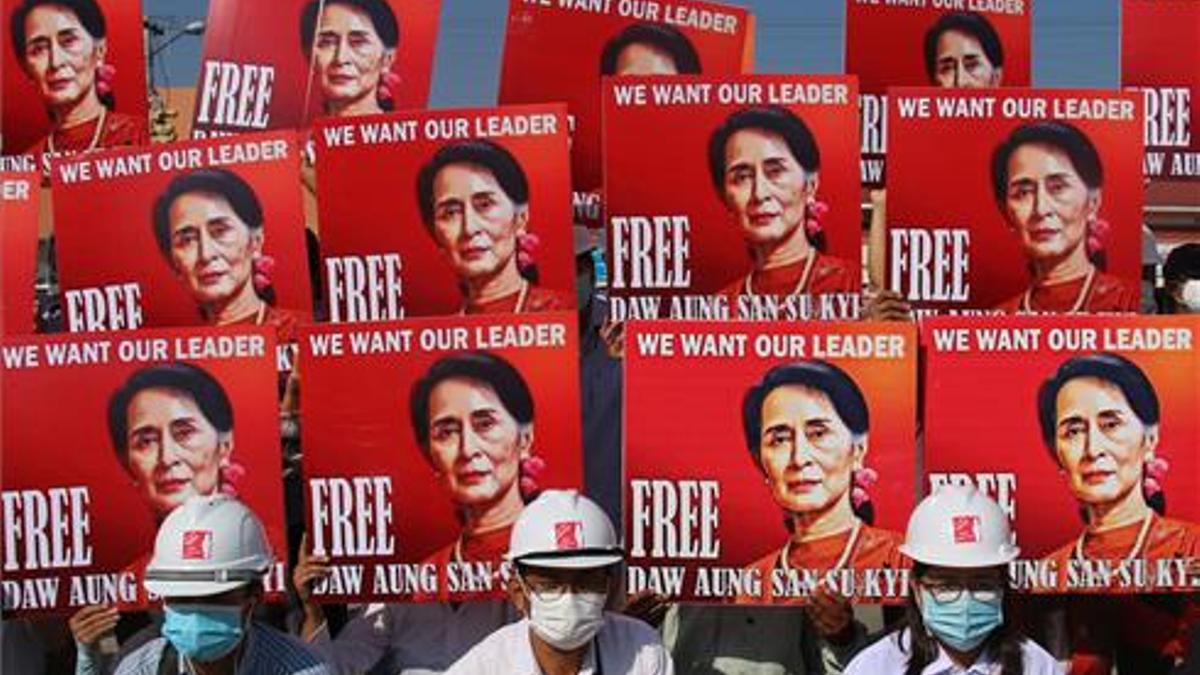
[[1101, 422], [474, 201], [806, 426], [61, 46], [649, 49], [962, 49], [473, 418], [351, 45], [171, 426], [765, 166], [1047, 180], [208, 225]]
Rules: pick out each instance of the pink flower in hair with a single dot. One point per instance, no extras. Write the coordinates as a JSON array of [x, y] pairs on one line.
[[387, 87], [858, 497], [815, 217], [530, 470], [865, 478], [264, 266], [106, 75], [1097, 235], [231, 475], [526, 245]]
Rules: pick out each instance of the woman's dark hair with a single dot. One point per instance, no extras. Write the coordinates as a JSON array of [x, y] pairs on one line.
[[1114, 369], [485, 367], [661, 36], [383, 19], [194, 381], [1004, 642], [1067, 138], [478, 152], [847, 399], [90, 16], [778, 120], [970, 23]]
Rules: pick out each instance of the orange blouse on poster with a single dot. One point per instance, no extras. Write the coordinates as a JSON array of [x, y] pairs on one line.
[[1107, 294], [487, 547], [537, 299], [875, 549], [285, 322], [828, 275], [119, 130], [1166, 538]]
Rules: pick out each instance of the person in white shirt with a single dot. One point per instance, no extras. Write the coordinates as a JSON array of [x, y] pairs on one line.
[[566, 560], [960, 542]]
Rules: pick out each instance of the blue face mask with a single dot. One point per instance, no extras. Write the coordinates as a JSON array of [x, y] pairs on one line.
[[962, 624], [203, 632]]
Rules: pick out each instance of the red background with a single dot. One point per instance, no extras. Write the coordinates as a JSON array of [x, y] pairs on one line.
[[62, 439], [963, 392], [885, 46], [19, 237], [25, 119], [553, 54], [367, 203], [269, 32], [105, 230], [356, 423], [959, 173], [634, 176], [683, 422], [1160, 46]]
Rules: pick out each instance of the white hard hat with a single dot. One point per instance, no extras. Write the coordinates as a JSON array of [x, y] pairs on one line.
[[208, 545], [564, 529], [959, 526]]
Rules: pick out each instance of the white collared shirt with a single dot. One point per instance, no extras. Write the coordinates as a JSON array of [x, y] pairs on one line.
[[626, 647], [888, 657]]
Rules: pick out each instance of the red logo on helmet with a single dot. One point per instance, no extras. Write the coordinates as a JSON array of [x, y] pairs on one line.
[[197, 544], [567, 535], [966, 529]]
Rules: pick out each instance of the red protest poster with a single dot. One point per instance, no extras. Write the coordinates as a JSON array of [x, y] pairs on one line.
[[423, 439], [280, 64], [194, 233], [762, 220], [155, 417], [433, 213], [953, 44], [74, 78], [1095, 454], [558, 51], [18, 246], [1038, 203], [764, 461], [1160, 47]]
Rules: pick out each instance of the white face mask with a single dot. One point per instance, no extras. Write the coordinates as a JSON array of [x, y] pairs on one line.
[[1190, 297], [568, 621]]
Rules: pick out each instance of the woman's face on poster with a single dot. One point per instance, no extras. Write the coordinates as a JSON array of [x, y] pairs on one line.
[[766, 189], [1101, 443], [1047, 203], [174, 452], [806, 450], [61, 57], [212, 248], [475, 222], [640, 58], [474, 442], [350, 57], [961, 62]]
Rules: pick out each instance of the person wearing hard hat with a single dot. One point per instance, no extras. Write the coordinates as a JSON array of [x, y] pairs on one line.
[[566, 560], [960, 543], [209, 559]]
